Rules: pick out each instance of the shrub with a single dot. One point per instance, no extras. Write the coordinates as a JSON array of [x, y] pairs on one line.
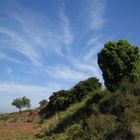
[[83, 88], [59, 100], [106, 104], [75, 132], [97, 127], [123, 131], [43, 102]]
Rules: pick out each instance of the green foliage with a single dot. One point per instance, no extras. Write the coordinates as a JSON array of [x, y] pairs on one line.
[[116, 103], [106, 104], [59, 100], [138, 67], [131, 88], [104, 115], [96, 98], [122, 131], [62, 99], [75, 132], [98, 126], [21, 103], [83, 88], [43, 102], [118, 60]]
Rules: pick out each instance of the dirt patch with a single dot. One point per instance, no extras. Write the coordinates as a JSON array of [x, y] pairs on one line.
[[15, 131]]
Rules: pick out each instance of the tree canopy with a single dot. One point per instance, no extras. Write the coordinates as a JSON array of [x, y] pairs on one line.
[[118, 61], [21, 103], [43, 102], [62, 99], [59, 100], [83, 88]]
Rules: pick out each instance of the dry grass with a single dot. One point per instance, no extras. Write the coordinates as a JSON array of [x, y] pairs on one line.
[[17, 131], [15, 127], [136, 130], [51, 123]]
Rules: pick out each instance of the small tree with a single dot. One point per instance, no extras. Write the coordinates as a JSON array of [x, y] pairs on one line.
[[21, 103], [43, 102]]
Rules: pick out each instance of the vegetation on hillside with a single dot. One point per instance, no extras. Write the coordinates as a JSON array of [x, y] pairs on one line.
[[89, 112], [109, 114], [63, 99]]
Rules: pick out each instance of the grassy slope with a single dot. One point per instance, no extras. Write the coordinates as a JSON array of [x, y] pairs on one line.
[[65, 118], [63, 124], [13, 127]]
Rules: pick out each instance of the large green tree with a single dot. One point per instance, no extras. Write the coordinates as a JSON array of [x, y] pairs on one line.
[[118, 61]]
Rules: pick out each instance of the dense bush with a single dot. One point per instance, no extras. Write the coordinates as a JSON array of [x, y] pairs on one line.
[[106, 104], [59, 100], [97, 127], [116, 103], [75, 132], [62, 99], [43, 102], [83, 88], [122, 131]]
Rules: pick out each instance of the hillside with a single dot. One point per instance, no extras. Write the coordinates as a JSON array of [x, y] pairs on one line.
[[105, 115], [87, 111], [101, 115]]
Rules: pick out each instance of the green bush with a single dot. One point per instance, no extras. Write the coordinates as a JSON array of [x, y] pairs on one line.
[[106, 104], [59, 100], [75, 132], [97, 127], [83, 88], [43, 102], [123, 131], [62, 99], [131, 88]]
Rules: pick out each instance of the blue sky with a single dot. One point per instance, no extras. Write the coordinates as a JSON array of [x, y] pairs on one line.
[[49, 45]]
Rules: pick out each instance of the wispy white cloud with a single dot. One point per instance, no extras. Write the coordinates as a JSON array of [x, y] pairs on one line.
[[96, 14], [93, 51], [37, 36], [4, 56], [24, 89], [91, 69], [19, 43], [43, 34], [66, 73], [9, 72], [93, 40], [96, 20], [66, 28]]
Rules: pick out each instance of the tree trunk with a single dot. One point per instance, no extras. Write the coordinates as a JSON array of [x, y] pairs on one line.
[[19, 111]]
